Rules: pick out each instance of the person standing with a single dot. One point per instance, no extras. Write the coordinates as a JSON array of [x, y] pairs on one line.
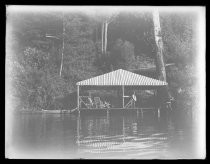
[[134, 98]]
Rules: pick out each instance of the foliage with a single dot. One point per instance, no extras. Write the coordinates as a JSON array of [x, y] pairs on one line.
[[179, 43], [36, 81], [179, 37], [123, 56], [35, 61]]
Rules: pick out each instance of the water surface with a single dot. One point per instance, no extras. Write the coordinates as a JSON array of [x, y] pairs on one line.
[[104, 135]]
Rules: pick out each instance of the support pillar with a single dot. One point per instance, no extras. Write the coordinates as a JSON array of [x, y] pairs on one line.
[[78, 129], [123, 129], [137, 113], [78, 101], [107, 115], [158, 112], [123, 90], [157, 100], [155, 97], [141, 112]]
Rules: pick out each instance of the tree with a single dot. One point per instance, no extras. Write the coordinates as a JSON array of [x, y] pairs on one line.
[[61, 67], [159, 43], [36, 80], [179, 40], [107, 19], [80, 48], [123, 56]]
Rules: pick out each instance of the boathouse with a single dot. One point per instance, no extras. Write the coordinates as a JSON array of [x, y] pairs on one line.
[[121, 79]]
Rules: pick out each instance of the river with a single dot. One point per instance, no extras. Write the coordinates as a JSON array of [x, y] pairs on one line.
[[102, 135]]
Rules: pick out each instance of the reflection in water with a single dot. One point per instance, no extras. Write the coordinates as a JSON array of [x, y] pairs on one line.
[[103, 135]]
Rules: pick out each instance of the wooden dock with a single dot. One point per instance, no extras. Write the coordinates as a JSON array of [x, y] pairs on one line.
[[87, 110], [115, 109], [45, 111]]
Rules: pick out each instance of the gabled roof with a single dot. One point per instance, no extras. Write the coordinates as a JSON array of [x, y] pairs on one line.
[[122, 77]]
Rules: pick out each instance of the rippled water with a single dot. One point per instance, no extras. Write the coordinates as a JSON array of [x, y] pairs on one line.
[[104, 135]]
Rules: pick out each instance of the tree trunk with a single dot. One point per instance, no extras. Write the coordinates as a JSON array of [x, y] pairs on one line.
[[61, 68], [96, 30], [105, 37], [159, 42], [160, 65], [102, 38]]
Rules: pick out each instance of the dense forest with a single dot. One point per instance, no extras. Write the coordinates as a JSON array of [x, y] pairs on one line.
[[48, 52]]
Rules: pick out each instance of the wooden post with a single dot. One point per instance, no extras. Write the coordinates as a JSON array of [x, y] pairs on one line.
[[155, 97], [158, 112], [78, 129], [141, 112], [123, 89], [123, 130], [107, 115], [89, 94], [137, 113], [78, 101]]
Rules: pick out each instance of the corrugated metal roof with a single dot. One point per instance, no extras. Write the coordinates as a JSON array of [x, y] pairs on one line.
[[122, 77]]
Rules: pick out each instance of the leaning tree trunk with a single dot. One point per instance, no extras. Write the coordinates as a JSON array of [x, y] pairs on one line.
[[61, 68], [159, 43], [160, 65], [102, 38], [105, 37]]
